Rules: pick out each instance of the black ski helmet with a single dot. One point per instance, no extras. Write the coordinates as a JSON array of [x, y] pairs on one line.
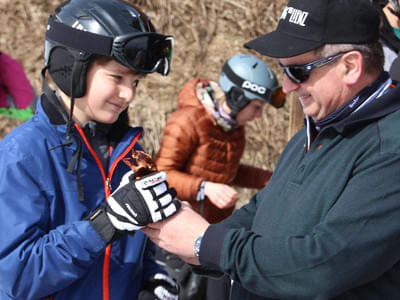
[[80, 29], [245, 77]]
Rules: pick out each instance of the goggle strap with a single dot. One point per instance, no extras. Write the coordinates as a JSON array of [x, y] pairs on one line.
[[86, 41], [78, 39], [238, 81]]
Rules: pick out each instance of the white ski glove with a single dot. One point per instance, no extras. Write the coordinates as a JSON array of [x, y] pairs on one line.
[[135, 204]]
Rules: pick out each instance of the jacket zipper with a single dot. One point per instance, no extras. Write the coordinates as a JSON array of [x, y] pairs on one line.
[[107, 192]]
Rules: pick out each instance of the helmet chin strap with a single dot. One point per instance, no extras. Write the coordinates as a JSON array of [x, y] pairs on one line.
[[70, 123], [68, 117]]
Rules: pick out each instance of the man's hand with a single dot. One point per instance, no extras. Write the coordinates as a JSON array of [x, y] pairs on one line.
[[187, 225], [160, 287], [135, 204], [221, 195]]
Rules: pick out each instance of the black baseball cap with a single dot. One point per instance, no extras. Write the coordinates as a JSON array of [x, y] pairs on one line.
[[306, 25]]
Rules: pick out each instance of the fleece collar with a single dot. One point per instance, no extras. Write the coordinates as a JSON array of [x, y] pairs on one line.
[[377, 101]]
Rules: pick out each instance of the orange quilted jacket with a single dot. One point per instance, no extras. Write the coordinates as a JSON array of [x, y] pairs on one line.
[[194, 148]]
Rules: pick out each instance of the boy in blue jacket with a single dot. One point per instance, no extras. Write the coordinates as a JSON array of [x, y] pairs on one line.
[[70, 208]]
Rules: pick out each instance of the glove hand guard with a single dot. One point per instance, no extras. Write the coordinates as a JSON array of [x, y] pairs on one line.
[[139, 202], [133, 205]]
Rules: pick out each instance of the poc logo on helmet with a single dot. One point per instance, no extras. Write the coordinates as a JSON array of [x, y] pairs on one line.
[[254, 87]]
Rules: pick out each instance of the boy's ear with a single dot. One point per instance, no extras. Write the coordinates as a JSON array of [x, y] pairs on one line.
[[79, 71], [64, 67]]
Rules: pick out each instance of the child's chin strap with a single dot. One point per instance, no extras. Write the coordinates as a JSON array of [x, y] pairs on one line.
[[77, 157]]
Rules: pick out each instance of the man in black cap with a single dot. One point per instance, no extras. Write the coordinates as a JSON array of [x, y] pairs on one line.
[[328, 223]]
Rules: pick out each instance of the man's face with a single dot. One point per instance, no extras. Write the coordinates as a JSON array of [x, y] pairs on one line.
[[111, 87], [323, 92]]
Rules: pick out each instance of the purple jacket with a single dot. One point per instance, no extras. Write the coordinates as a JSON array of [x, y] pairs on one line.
[[14, 83]]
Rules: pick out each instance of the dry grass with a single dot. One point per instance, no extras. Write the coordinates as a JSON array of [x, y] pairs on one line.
[[206, 32]]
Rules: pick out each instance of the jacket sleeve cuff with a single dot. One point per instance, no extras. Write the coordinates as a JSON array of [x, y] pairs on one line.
[[100, 222], [211, 246]]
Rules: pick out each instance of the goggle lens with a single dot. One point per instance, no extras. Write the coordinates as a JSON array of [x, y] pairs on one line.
[[278, 98], [148, 53]]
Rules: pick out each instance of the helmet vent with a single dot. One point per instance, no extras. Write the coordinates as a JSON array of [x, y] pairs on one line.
[[255, 65]]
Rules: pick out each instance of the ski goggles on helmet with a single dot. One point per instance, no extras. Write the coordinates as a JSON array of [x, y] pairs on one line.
[[275, 96], [300, 73], [144, 52]]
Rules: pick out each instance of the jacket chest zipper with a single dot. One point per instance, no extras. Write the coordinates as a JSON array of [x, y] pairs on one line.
[[107, 191]]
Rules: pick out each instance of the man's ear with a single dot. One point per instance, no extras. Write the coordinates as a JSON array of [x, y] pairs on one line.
[[352, 67]]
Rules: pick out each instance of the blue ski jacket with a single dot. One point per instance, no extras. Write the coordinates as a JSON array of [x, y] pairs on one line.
[[47, 248]]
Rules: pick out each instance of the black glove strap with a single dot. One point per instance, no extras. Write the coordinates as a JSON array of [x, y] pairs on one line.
[[100, 222]]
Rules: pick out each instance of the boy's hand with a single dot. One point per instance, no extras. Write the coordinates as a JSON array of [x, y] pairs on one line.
[[135, 204]]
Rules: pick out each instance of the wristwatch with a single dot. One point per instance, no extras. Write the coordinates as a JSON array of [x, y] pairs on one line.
[[197, 244]]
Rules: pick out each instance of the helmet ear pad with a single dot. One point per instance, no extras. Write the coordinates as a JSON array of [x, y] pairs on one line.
[[236, 100], [68, 70]]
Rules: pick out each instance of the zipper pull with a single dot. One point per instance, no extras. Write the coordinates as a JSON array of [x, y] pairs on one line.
[[108, 184]]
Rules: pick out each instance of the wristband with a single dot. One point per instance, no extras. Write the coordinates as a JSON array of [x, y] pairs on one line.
[[101, 223], [200, 194]]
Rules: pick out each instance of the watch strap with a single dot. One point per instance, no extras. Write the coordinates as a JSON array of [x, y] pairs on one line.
[[197, 245]]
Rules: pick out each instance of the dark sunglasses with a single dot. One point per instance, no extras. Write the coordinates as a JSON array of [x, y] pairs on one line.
[[300, 73]]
